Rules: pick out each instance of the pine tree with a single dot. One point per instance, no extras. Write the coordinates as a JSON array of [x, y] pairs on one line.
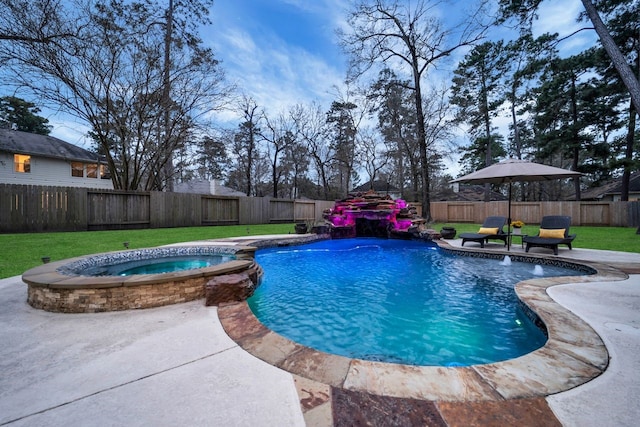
[[18, 114]]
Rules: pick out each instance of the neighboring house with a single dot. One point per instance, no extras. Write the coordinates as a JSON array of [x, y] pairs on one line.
[[32, 159], [380, 187], [611, 191], [213, 187]]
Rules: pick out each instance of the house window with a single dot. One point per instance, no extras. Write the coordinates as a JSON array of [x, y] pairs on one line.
[[77, 169], [22, 163], [92, 170], [104, 172]]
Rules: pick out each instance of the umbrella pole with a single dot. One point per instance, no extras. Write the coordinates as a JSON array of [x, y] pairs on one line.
[[509, 221]]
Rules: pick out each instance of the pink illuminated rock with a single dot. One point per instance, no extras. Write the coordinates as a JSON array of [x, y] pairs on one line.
[[372, 214]]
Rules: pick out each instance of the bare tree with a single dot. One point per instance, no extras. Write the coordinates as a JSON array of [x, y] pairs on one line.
[[310, 125], [397, 124], [628, 11], [280, 135], [296, 157], [409, 36], [246, 143], [40, 21], [438, 125], [373, 154], [113, 74]]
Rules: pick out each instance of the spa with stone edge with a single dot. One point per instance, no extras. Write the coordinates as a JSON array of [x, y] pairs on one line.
[[136, 279]]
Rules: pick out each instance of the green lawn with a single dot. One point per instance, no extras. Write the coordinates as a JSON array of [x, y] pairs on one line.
[[20, 252], [606, 238]]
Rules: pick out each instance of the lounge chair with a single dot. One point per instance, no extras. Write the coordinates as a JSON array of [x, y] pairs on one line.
[[491, 230], [554, 231]]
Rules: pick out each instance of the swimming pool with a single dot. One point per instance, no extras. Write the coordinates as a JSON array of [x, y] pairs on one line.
[[397, 301]]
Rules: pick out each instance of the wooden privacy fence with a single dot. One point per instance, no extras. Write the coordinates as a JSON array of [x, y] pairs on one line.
[[30, 208], [616, 214]]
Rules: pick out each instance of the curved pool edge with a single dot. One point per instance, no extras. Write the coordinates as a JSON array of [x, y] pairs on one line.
[[49, 289], [573, 354]]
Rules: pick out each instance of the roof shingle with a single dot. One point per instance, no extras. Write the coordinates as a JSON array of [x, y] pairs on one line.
[[18, 142]]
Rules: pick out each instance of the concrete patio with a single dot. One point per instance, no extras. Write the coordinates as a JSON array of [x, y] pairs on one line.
[[175, 365]]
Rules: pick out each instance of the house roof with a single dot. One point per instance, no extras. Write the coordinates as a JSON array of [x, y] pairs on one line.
[[205, 186], [611, 187], [18, 142], [377, 186], [469, 193]]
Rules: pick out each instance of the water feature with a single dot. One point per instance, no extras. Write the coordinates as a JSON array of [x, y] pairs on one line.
[[538, 270], [506, 260], [371, 214], [396, 301]]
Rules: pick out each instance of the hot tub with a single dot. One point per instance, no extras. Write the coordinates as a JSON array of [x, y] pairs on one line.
[[67, 286]]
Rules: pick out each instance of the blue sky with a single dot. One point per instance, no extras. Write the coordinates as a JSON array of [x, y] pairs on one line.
[[280, 52], [283, 52]]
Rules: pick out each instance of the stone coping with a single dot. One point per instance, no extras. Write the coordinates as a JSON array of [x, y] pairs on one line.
[[77, 268], [65, 274], [573, 354]]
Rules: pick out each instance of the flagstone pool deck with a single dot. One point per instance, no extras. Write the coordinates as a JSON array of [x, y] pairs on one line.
[[187, 364]]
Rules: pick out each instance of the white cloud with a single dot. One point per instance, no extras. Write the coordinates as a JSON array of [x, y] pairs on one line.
[[557, 16], [240, 40], [276, 73], [561, 18]]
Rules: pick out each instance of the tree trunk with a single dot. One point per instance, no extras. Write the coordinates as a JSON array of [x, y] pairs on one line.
[[575, 137], [487, 130], [249, 160], [628, 155], [618, 60], [516, 131], [167, 168], [422, 142], [274, 177], [325, 183]]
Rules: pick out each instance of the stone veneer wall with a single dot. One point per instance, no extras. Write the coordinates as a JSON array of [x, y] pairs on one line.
[[118, 298]]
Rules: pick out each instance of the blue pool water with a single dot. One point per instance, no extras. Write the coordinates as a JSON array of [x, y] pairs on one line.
[[158, 265], [397, 301]]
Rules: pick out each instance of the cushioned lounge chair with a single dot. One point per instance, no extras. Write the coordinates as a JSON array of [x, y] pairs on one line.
[[554, 231], [491, 230]]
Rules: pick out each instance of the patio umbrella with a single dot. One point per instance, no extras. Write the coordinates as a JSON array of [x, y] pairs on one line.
[[513, 170]]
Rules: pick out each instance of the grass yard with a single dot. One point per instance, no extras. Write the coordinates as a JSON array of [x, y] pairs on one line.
[[621, 239], [20, 252]]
